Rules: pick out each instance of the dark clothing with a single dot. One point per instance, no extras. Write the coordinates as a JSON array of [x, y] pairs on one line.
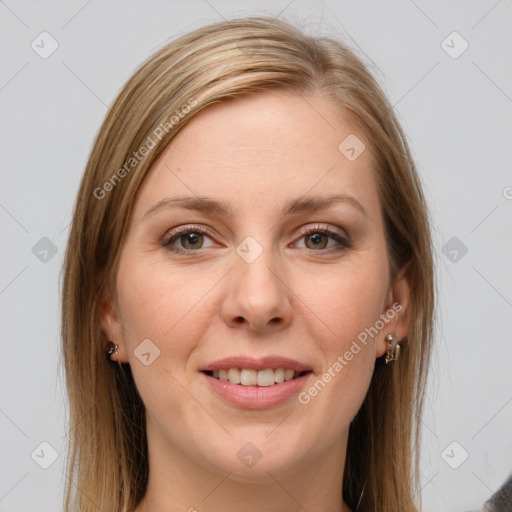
[[501, 500]]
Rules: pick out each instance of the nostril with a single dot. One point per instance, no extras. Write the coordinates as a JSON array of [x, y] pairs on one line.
[[239, 319]]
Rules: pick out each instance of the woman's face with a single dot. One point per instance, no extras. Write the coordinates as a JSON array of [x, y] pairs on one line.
[[239, 257]]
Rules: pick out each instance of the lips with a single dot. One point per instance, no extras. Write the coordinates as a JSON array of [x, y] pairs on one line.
[[256, 383]]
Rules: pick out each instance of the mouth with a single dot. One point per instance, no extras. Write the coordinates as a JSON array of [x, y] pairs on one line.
[[250, 377], [249, 383]]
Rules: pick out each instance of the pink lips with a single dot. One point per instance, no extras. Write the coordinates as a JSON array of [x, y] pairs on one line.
[[256, 397]]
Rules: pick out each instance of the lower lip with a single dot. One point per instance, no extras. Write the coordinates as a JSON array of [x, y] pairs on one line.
[[257, 397]]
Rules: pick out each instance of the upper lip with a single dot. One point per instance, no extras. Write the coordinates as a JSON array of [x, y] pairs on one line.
[[256, 364]]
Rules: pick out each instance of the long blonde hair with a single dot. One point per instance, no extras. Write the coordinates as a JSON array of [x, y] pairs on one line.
[[107, 465]]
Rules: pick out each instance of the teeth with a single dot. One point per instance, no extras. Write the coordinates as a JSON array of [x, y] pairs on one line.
[[249, 377], [265, 377], [234, 375]]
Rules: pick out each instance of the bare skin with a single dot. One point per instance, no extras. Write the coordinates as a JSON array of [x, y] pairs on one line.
[[306, 297]]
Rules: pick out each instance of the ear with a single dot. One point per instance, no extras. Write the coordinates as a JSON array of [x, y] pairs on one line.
[[111, 325], [397, 308]]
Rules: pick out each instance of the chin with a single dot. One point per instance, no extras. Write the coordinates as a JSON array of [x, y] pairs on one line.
[[256, 454]]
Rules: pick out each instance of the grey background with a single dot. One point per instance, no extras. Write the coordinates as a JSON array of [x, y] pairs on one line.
[[457, 113]]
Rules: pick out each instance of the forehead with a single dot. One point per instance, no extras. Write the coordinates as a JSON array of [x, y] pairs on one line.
[[267, 148]]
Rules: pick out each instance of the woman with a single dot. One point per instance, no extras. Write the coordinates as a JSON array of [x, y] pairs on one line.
[[251, 250]]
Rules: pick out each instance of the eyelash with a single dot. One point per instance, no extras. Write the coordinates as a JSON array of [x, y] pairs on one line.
[[343, 242]]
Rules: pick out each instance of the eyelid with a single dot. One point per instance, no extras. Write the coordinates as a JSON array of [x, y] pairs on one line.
[[306, 230], [172, 233]]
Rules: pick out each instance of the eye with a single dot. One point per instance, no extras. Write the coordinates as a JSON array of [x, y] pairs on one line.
[[318, 237], [189, 238]]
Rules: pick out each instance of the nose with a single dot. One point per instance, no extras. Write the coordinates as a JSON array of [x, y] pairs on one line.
[[258, 297]]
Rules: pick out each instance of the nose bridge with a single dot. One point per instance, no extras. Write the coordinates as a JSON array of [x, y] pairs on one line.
[[258, 295], [257, 267]]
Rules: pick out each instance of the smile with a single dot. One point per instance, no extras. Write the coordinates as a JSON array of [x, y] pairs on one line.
[[251, 377]]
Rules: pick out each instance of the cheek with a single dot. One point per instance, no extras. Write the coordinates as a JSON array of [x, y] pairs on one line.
[[158, 303], [346, 306], [345, 303], [164, 307]]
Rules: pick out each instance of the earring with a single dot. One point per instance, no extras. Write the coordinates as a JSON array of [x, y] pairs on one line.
[[393, 350], [111, 348]]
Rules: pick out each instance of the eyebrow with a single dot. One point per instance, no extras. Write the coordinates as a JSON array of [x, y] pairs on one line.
[[210, 205]]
